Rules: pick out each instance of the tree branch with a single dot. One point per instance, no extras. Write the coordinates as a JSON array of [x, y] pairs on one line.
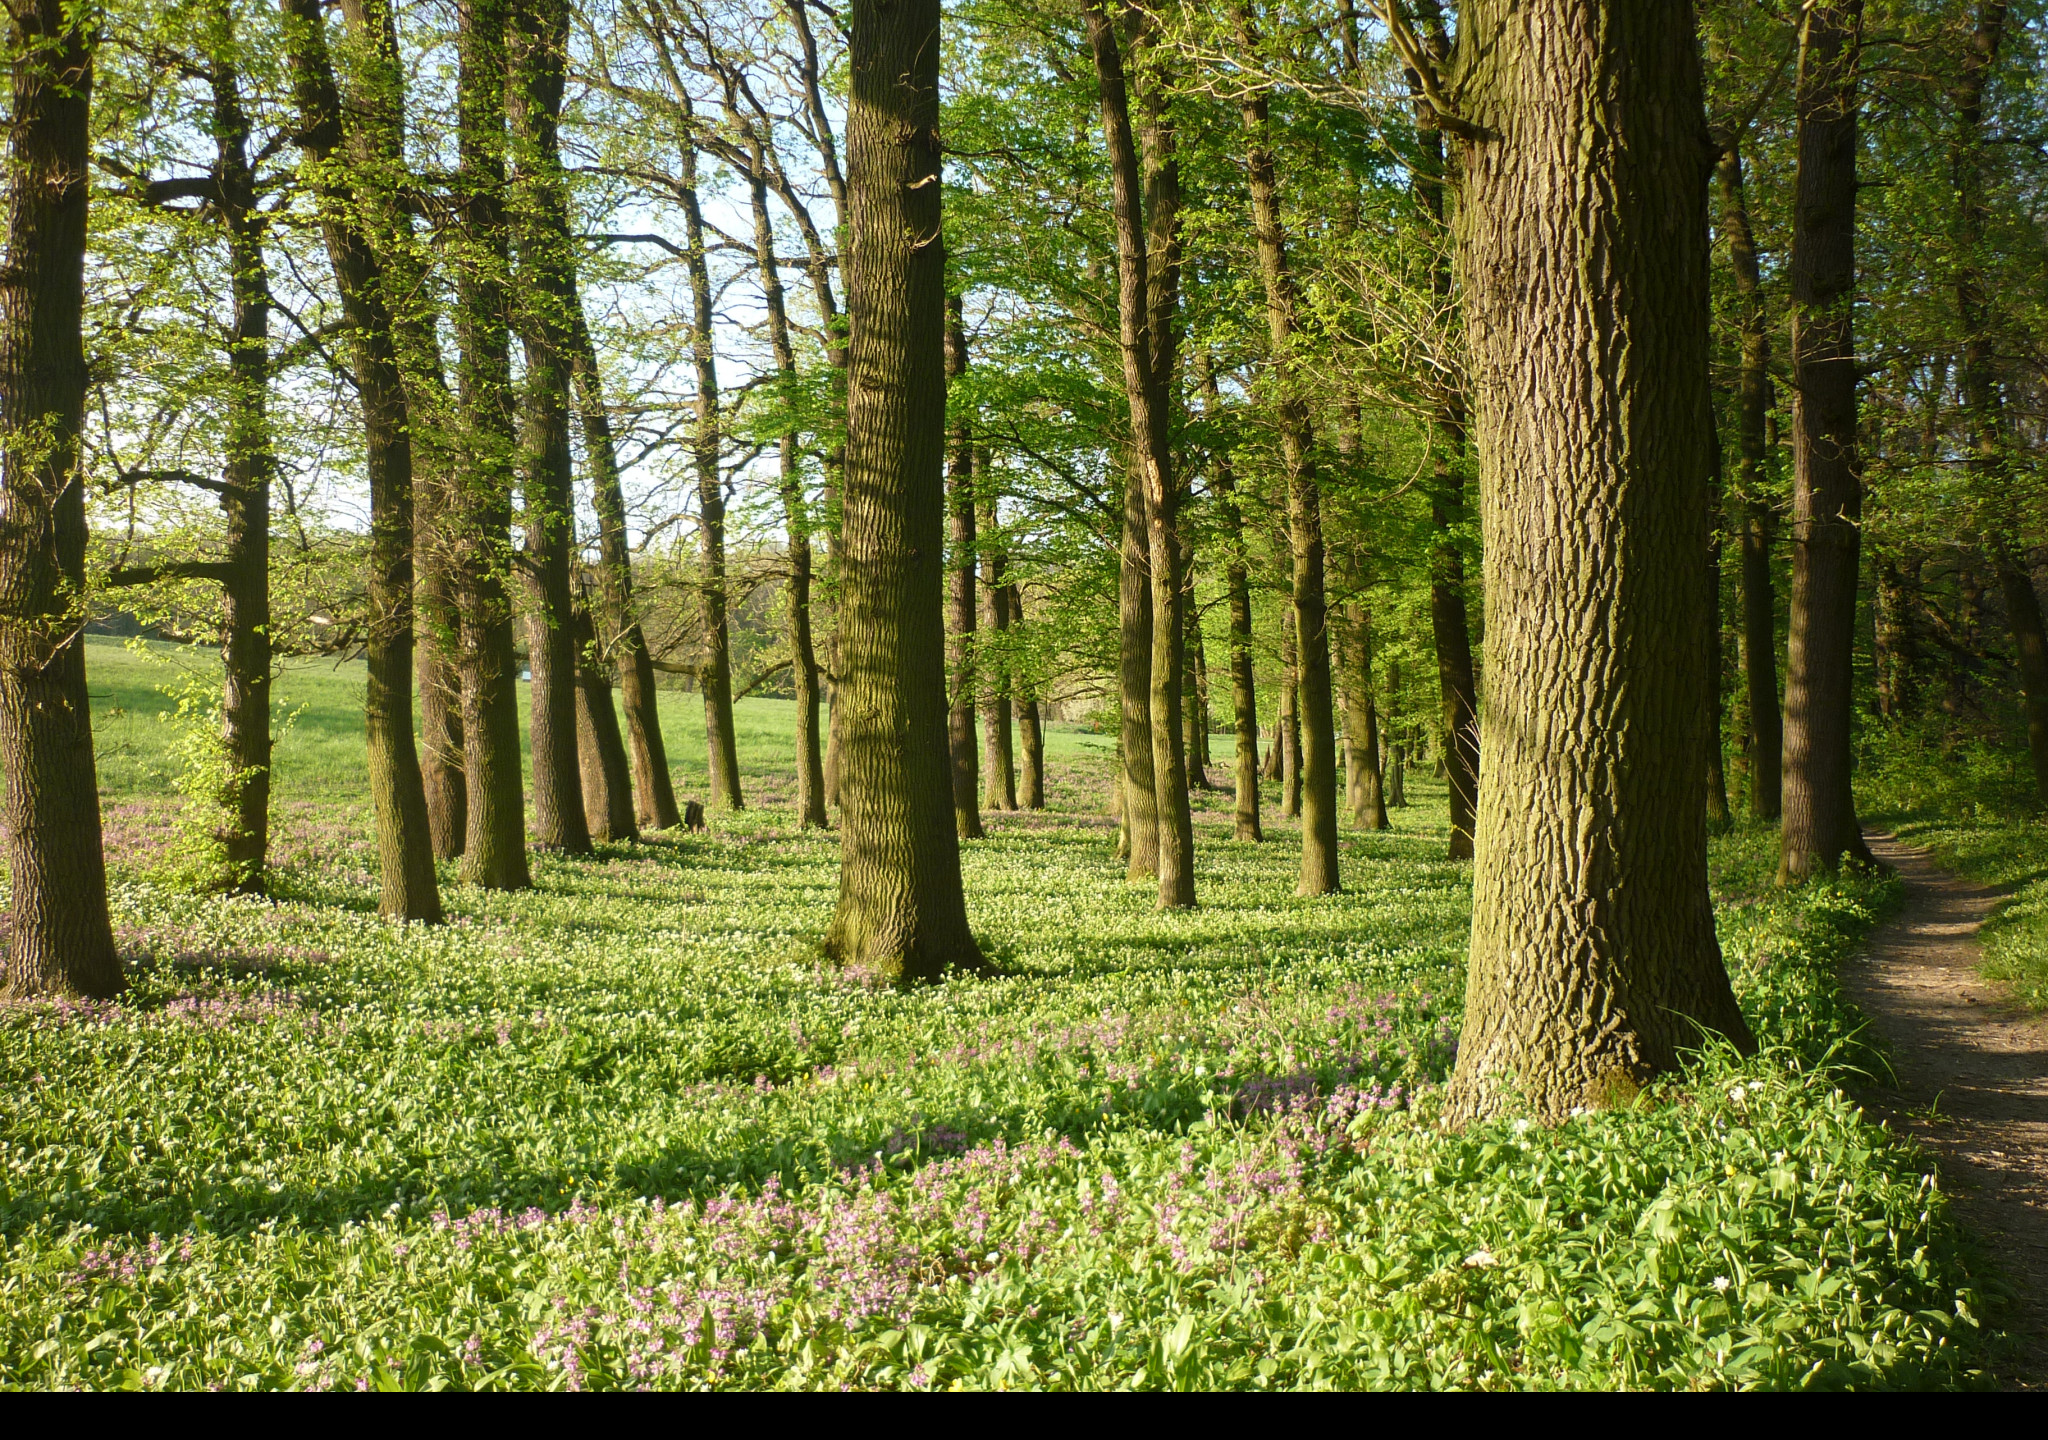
[[217, 571]]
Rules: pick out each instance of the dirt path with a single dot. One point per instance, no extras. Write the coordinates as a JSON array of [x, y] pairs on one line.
[[1973, 1077]]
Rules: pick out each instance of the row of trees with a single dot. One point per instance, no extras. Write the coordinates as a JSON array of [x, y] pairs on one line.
[[1209, 319]]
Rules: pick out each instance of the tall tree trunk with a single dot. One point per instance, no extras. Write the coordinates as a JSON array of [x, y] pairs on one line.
[[960, 658], [1144, 335], [1134, 681], [59, 939], [1983, 403], [1583, 245], [375, 98], [545, 292], [494, 848], [1030, 732], [714, 674], [1759, 602], [334, 157], [606, 783], [999, 759], [1366, 790], [1827, 490], [654, 794], [1897, 658], [796, 517], [1287, 736], [1718, 817], [1244, 700], [250, 462], [901, 913], [1305, 522]]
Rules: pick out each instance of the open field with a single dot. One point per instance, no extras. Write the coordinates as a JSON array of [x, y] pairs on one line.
[[627, 1129]]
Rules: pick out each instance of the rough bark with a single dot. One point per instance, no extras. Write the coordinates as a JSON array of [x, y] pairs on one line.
[[1134, 687], [494, 845], [606, 782], [59, 940], [1583, 250], [901, 911], [1145, 325], [796, 517], [1318, 769], [1759, 602], [961, 610], [1827, 490], [654, 795], [545, 291], [334, 157]]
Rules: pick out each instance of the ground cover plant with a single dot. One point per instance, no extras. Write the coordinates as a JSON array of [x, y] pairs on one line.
[[626, 1130]]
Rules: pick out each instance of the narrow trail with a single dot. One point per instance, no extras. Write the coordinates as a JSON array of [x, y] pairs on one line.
[[1972, 1078]]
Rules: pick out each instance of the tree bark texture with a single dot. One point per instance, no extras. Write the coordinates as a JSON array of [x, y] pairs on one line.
[[1583, 247], [1759, 600], [960, 656], [59, 939], [1827, 489], [1365, 790], [374, 101], [546, 290], [901, 913], [1134, 685], [494, 847], [1144, 333], [606, 781], [408, 888], [1315, 707]]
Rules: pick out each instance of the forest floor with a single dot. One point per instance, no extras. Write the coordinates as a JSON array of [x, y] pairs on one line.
[[1971, 1071]]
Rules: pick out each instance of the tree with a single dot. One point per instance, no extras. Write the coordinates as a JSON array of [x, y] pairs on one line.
[[961, 660], [60, 940], [1827, 489], [1583, 255], [901, 911], [405, 853]]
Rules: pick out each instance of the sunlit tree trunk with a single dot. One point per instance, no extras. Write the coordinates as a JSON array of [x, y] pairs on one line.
[[1030, 732], [901, 912], [1314, 705], [494, 848], [960, 658], [606, 782], [1583, 247], [545, 296], [335, 156], [998, 753], [1827, 488], [59, 940], [1140, 812]]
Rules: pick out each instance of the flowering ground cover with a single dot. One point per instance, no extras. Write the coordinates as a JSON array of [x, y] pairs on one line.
[[627, 1130]]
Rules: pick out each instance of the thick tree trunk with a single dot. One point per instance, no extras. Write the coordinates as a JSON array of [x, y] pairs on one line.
[[960, 657], [1318, 769], [494, 848], [654, 795], [59, 940], [796, 518], [546, 289], [901, 912], [606, 782], [1759, 602], [1145, 325], [998, 753], [1031, 741], [375, 101], [1583, 248], [334, 157], [1827, 490]]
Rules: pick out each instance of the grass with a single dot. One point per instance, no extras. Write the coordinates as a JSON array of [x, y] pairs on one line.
[[626, 1130]]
